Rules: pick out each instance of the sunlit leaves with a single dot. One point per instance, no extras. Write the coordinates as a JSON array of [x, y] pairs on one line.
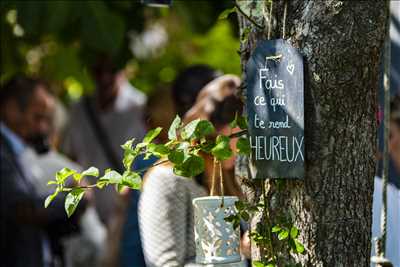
[[176, 157], [189, 129], [283, 234], [299, 246], [63, 174], [72, 200], [239, 121], [92, 171], [132, 180], [190, 167], [50, 198], [222, 150], [294, 232], [203, 129], [183, 150], [243, 146], [172, 134], [226, 13], [151, 135], [158, 150], [112, 177]]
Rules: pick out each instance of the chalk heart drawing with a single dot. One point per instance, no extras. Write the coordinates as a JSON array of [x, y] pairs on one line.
[[290, 68]]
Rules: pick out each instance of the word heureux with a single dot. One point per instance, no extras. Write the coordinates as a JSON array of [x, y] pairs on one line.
[[280, 148]]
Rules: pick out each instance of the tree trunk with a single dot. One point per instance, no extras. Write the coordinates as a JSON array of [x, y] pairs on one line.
[[342, 43]]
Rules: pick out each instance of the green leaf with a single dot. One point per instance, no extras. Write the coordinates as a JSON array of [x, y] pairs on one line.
[[119, 187], [192, 165], [111, 177], [275, 229], [294, 232], [239, 121], [207, 146], [183, 146], [92, 171], [129, 157], [242, 122], [173, 128], [226, 13], [72, 200], [258, 264], [63, 174], [176, 157], [233, 124], [243, 146], [51, 182], [189, 130], [128, 144], [245, 216], [222, 150], [204, 128], [299, 246], [283, 234], [151, 135], [158, 150], [101, 184], [239, 205], [131, 179], [50, 198]]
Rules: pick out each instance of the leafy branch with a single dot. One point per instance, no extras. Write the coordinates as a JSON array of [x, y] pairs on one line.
[[184, 148]]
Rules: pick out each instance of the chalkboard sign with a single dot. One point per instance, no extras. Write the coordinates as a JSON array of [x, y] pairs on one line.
[[275, 109]]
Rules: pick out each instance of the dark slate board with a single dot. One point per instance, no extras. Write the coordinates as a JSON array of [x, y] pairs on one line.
[[275, 109]]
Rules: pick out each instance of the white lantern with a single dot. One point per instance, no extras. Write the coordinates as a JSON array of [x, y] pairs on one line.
[[216, 240]]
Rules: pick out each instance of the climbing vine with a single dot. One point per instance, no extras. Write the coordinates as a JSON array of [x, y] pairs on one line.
[[184, 148]]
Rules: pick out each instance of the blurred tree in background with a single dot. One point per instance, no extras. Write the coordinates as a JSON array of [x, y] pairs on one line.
[[58, 40]]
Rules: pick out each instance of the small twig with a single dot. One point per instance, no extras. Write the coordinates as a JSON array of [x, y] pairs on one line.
[[248, 17], [270, 20], [274, 57], [153, 165], [238, 134], [221, 180], [213, 178], [284, 20]]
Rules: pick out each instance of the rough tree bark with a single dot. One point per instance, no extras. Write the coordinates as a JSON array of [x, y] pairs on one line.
[[342, 43]]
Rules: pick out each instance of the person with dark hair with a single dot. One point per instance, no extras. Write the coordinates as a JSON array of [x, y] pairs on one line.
[[393, 191], [159, 113], [165, 207], [189, 83], [98, 125], [26, 103], [27, 229]]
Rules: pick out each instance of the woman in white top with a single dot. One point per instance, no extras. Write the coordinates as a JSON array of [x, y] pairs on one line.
[[165, 207]]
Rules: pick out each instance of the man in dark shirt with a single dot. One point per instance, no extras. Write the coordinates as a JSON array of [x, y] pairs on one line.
[[26, 227]]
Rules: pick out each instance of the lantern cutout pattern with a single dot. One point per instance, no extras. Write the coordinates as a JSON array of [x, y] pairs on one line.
[[216, 240]]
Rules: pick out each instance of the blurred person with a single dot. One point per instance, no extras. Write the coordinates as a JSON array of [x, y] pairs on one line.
[[84, 247], [393, 192], [27, 229], [98, 126], [159, 112], [188, 84], [165, 207]]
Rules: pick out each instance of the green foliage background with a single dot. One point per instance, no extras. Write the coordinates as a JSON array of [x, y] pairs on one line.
[[57, 40]]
